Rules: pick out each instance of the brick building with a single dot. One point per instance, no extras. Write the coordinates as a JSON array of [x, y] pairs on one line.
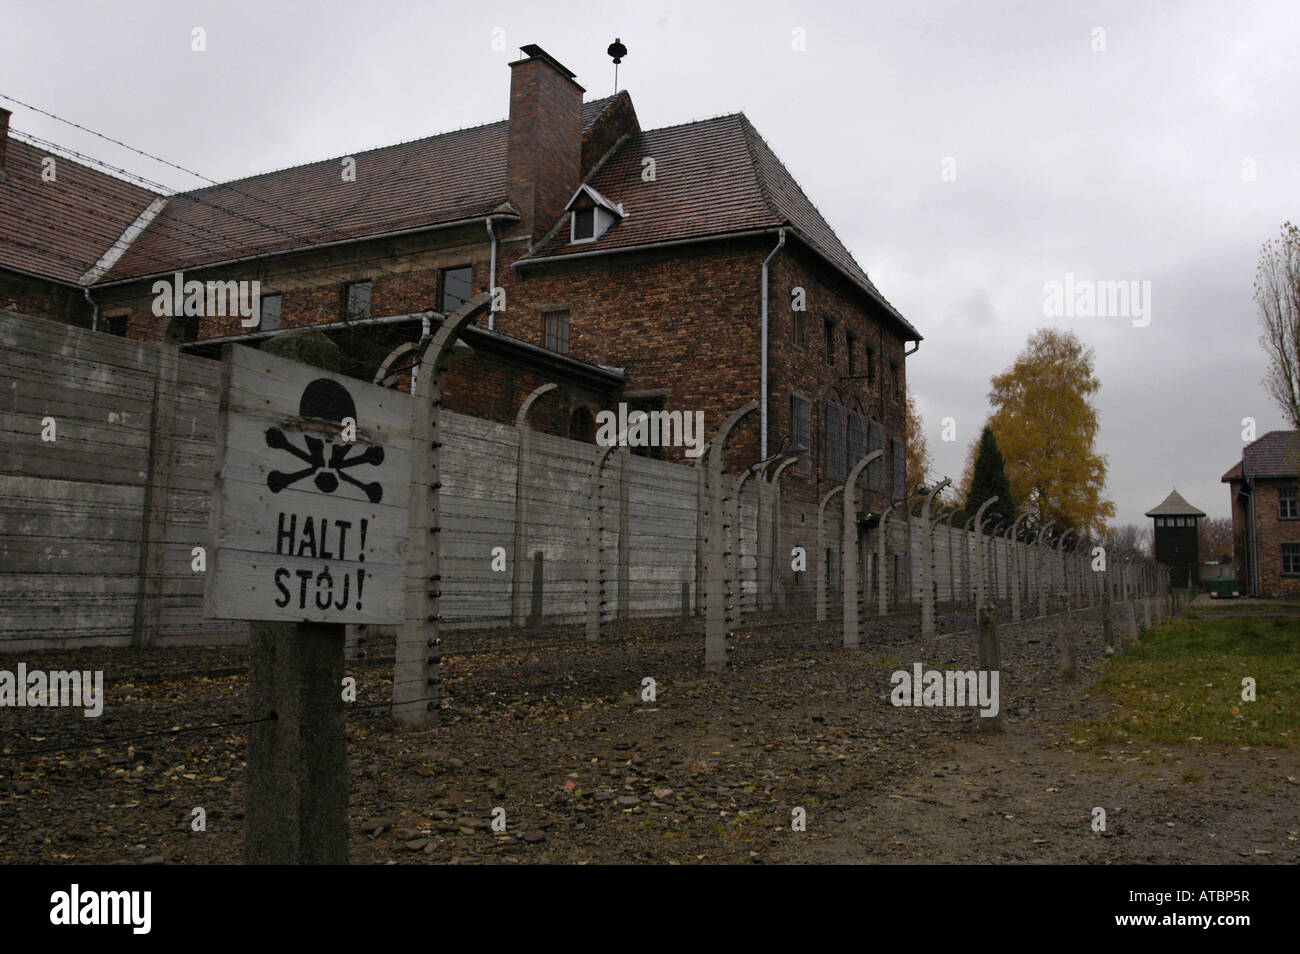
[[679, 268], [1265, 489]]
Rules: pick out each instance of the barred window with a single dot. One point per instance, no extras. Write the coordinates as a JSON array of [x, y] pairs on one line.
[[270, 317], [456, 287], [356, 301], [557, 331], [801, 431], [900, 469], [876, 469], [836, 424]]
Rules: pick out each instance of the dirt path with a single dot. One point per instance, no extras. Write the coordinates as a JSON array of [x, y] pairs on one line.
[[712, 771], [1028, 796]]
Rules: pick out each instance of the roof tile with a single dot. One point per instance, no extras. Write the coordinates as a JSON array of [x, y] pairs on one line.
[[60, 229]]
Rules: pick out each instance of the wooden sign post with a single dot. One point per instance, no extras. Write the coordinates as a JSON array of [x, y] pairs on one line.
[[308, 534]]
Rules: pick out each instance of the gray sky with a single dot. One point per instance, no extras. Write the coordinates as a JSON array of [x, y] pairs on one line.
[[1121, 164]]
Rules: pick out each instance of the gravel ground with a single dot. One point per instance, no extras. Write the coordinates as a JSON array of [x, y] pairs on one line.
[[555, 732]]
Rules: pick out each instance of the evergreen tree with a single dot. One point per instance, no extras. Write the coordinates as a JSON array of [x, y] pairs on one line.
[[989, 479]]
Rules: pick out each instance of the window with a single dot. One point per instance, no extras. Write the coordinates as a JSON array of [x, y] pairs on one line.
[[1291, 559], [557, 331], [851, 351], [876, 469], [801, 431], [829, 328], [836, 424], [116, 324], [799, 329], [871, 365], [1288, 503], [270, 317], [584, 225], [456, 288], [900, 469], [357, 301]]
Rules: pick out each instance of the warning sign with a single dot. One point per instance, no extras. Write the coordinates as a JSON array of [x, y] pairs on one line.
[[309, 520]]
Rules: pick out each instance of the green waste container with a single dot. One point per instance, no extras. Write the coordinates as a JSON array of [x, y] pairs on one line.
[[1224, 589]]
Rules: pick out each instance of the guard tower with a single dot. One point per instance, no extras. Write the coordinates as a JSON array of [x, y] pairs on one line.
[[1175, 538]]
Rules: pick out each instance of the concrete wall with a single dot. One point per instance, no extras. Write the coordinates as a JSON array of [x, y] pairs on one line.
[[76, 512], [97, 526]]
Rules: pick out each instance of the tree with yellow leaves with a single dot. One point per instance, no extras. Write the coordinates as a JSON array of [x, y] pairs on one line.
[[1046, 428], [917, 451]]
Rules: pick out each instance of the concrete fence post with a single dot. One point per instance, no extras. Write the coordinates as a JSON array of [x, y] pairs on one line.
[[715, 572], [980, 591], [595, 544], [523, 430], [701, 507], [928, 582], [776, 553], [416, 681], [990, 659], [849, 551], [762, 534], [823, 568], [734, 571], [624, 532], [882, 558]]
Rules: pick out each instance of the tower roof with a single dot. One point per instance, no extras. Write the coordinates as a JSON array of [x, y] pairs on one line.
[[1174, 506]]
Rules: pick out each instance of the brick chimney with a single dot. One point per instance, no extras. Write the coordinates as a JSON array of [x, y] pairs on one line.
[[544, 152], [4, 135]]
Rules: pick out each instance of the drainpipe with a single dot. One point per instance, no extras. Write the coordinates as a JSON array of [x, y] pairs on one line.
[[492, 273], [762, 453], [94, 320], [908, 354]]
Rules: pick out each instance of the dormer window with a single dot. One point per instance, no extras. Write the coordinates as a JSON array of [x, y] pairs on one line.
[[584, 225], [591, 215]]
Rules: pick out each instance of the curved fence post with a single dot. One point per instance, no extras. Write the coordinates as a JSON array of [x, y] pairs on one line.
[[775, 570], [715, 570], [595, 545], [979, 551], [849, 551], [823, 567], [928, 583], [519, 591], [418, 652]]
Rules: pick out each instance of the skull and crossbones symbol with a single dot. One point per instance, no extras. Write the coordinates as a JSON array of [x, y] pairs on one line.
[[326, 400]]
